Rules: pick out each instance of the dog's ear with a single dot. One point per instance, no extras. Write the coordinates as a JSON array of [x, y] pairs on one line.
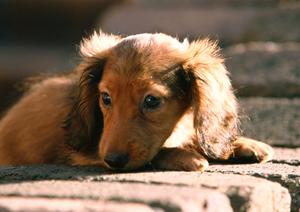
[[89, 95], [213, 102], [84, 122]]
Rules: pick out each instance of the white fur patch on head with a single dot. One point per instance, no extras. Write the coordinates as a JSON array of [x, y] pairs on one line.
[[100, 41], [97, 43], [158, 39]]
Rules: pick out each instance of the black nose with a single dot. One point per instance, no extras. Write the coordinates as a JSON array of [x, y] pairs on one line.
[[117, 161]]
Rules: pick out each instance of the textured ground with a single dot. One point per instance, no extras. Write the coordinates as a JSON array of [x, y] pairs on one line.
[[274, 186]]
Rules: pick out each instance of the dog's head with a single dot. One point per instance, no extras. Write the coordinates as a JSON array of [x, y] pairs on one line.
[[143, 85]]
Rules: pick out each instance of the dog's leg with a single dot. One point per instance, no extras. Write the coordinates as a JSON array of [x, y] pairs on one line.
[[177, 159], [249, 150]]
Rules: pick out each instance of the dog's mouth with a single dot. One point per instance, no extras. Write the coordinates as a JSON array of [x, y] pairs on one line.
[[135, 157], [116, 161], [124, 164]]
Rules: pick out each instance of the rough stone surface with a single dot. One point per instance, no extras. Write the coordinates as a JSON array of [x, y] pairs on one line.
[[274, 121], [284, 169], [286, 175], [154, 196], [47, 204], [246, 193], [287, 156], [265, 69]]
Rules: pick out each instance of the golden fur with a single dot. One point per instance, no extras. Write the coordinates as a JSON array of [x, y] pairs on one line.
[[133, 100]]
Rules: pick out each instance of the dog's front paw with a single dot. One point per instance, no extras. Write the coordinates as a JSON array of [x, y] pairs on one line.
[[176, 159], [253, 151]]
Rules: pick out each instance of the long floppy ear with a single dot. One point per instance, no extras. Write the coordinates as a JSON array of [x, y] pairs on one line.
[[84, 122], [88, 105], [213, 102]]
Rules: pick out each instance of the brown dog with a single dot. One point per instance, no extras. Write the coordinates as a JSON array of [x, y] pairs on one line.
[[133, 100]]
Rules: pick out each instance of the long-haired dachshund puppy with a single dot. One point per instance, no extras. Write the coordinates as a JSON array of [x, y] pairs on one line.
[[141, 99]]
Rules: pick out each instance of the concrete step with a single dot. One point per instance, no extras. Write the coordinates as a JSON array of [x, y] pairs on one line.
[[150, 196], [274, 121], [223, 187], [265, 68], [158, 189], [68, 204], [284, 169]]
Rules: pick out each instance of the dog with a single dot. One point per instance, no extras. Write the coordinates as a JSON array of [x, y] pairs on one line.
[[132, 101]]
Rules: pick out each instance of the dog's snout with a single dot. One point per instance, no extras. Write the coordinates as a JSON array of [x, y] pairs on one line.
[[117, 161]]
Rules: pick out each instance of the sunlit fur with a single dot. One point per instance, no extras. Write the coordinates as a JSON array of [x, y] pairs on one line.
[[63, 119]]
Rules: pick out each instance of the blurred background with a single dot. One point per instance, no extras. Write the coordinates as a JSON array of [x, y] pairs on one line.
[[260, 38]]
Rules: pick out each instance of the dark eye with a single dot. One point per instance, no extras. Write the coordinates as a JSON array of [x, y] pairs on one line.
[[151, 102], [106, 99]]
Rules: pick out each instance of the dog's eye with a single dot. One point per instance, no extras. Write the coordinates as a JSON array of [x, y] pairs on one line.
[[151, 102], [106, 99]]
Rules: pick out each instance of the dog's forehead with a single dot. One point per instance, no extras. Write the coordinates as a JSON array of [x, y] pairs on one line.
[[147, 53], [147, 40]]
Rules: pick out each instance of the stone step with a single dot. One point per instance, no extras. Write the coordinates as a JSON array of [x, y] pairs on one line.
[[265, 68], [230, 24], [284, 169], [183, 191], [274, 121], [150, 196], [68, 204], [233, 186]]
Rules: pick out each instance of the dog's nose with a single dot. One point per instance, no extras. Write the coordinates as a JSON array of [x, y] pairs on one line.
[[117, 161]]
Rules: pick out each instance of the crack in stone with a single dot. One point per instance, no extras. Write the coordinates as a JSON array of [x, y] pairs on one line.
[[157, 205], [289, 181], [289, 162]]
